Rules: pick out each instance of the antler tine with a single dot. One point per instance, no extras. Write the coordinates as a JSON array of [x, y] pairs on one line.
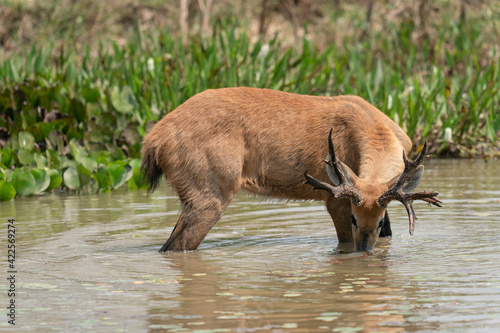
[[396, 192], [344, 189], [319, 185], [412, 165], [407, 201], [333, 162]]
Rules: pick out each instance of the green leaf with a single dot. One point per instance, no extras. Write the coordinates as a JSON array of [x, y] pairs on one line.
[[91, 95], [119, 174], [7, 191], [55, 179], [45, 128], [24, 182], [29, 117], [25, 156], [14, 72], [26, 140], [7, 158], [78, 151], [9, 174], [132, 184], [123, 101], [89, 163], [100, 134], [40, 160], [52, 158], [135, 163], [102, 157], [84, 174], [78, 109], [66, 162], [71, 178], [102, 177], [42, 179], [137, 180]]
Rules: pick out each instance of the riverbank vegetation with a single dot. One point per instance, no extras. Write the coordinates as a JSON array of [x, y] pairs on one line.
[[82, 82]]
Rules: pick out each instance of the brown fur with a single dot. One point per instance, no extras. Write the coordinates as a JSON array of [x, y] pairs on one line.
[[221, 141]]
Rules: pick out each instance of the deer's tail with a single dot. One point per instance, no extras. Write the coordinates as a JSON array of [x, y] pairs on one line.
[[151, 171]]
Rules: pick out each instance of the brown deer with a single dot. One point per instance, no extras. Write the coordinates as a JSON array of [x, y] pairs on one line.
[[263, 141]]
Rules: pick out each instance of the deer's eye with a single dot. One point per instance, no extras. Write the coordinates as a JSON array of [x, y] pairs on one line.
[[354, 222], [381, 223]]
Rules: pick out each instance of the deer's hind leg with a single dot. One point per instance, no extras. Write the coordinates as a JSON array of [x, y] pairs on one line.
[[206, 178], [195, 221], [201, 208]]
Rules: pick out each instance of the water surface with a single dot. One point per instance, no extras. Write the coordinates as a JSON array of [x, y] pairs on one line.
[[89, 263]]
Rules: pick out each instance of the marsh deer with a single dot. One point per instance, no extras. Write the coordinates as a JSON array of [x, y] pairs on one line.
[[263, 141]]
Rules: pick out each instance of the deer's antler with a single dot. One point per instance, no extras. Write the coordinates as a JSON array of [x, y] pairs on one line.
[[397, 192], [344, 189]]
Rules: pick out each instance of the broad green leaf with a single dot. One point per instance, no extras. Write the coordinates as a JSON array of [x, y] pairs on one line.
[[102, 157], [8, 174], [40, 160], [52, 158], [131, 184], [24, 182], [55, 179], [78, 151], [26, 140], [119, 174], [91, 95], [135, 163], [7, 158], [71, 178], [29, 117], [42, 179], [7, 191], [89, 163], [123, 101], [100, 134], [45, 128], [66, 162], [78, 109], [24, 156], [84, 174], [102, 177], [137, 180]]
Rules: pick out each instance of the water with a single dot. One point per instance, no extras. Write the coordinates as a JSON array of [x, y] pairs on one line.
[[89, 263]]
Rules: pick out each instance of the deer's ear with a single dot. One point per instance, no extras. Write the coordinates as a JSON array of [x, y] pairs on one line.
[[331, 174], [413, 179], [412, 182], [350, 175]]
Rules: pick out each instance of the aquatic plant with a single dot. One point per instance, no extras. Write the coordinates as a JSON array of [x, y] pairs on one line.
[[78, 118]]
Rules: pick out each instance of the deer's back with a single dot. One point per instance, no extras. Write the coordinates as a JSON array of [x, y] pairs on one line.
[[267, 139]]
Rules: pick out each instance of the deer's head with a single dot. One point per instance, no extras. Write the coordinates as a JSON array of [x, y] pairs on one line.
[[369, 200]]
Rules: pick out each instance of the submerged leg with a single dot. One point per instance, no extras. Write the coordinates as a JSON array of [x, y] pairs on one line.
[[196, 219], [209, 179], [386, 231]]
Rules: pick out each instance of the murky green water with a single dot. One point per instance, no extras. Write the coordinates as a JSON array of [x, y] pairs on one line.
[[89, 264]]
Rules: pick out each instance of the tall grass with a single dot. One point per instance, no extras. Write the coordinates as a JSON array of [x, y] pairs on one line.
[[105, 102], [423, 91]]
